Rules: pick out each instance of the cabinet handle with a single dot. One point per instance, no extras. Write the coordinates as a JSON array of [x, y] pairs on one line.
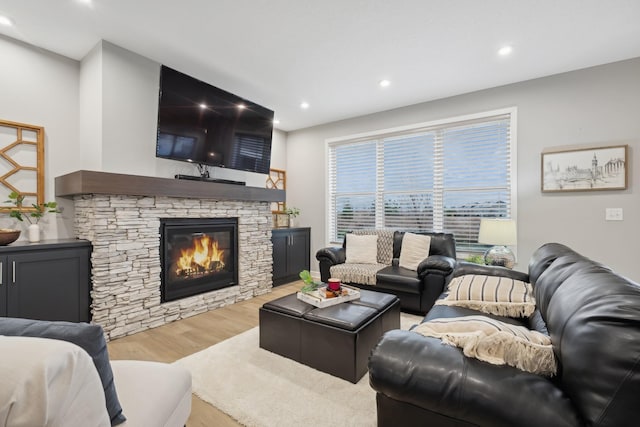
[[13, 273], [1, 265]]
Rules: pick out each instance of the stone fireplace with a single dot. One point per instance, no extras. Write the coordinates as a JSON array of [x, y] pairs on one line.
[[121, 215]]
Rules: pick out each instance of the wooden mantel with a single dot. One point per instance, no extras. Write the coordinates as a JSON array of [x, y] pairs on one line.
[[92, 182]]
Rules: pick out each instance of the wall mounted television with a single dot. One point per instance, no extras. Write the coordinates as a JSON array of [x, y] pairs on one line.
[[205, 125]]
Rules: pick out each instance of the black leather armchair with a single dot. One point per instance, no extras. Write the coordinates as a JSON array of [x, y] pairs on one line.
[[418, 289]]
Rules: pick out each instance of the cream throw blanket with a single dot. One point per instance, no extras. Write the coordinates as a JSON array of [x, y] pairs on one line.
[[495, 342]]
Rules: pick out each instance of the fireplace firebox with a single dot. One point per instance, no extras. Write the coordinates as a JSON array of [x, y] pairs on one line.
[[197, 255]]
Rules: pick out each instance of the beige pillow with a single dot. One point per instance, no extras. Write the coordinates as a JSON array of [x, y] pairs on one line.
[[495, 342], [362, 249], [415, 248], [502, 296]]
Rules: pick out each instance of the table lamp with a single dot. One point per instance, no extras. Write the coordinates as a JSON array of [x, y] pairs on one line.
[[501, 233]]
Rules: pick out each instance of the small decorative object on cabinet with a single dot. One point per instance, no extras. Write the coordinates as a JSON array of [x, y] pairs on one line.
[[46, 281], [290, 253], [32, 214], [8, 235], [293, 214]]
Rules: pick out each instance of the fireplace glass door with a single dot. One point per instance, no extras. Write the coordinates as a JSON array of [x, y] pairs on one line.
[[197, 255]]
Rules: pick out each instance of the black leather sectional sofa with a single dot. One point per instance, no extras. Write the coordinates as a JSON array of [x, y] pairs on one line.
[[593, 318]]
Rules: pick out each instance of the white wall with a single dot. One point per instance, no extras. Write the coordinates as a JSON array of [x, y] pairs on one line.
[[130, 85], [90, 111], [596, 106], [279, 150], [41, 88]]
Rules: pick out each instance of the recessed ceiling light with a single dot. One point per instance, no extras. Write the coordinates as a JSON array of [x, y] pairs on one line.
[[384, 83], [6, 21], [505, 50], [304, 105]]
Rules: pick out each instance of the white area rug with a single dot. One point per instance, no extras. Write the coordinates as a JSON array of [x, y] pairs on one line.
[[259, 388]]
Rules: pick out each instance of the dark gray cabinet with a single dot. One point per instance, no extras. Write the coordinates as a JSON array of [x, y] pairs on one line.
[[290, 253], [46, 281]]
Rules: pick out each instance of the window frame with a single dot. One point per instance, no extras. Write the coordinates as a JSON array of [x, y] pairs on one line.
[[380, 134]]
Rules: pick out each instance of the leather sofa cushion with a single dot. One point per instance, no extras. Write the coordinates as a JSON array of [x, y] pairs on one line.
[[343, 316], [399, 279], [290, 305], [446, 312]]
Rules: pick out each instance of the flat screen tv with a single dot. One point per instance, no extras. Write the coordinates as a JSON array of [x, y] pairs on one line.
[[202, 124]]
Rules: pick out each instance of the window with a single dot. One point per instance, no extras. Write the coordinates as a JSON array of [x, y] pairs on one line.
[[441, 176]]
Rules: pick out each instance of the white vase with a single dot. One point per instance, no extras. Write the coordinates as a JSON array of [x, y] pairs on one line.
[[34, 233], [292, 221]]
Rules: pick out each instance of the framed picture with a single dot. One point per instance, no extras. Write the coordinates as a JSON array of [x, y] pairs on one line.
[[585, 169], [280, 220]]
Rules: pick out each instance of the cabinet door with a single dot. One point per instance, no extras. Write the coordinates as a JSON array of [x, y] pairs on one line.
[[3, 287], [298, 251], [49, 285], [280, 243]]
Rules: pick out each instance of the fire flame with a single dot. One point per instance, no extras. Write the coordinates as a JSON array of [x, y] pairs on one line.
[[203, 257]]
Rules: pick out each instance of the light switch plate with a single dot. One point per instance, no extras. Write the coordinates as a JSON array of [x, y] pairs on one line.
[[613, 214]]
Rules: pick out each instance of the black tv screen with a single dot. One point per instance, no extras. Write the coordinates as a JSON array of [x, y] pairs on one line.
[[203, 124]]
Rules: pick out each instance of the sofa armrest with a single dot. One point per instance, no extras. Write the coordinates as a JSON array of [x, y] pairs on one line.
[[423, 372], [328, 257], [335, 254], [438, 264], [153, 393], [465, 267]]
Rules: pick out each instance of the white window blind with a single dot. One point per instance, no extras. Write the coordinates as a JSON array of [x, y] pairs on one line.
[[431, 177]]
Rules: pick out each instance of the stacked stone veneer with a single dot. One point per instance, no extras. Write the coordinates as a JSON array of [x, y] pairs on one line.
[[125, 234]]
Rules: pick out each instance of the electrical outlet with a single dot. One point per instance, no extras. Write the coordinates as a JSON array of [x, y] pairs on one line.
[[613, 214]]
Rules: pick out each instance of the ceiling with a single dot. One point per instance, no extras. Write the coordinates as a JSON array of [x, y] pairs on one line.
[[333, 53]]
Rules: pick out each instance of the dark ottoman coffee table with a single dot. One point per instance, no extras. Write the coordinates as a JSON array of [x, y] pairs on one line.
[[337, 339]]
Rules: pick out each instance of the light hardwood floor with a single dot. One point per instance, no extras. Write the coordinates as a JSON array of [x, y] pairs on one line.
[[181, 338]]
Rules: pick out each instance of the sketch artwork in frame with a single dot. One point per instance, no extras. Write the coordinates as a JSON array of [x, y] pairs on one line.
[[585, 169]]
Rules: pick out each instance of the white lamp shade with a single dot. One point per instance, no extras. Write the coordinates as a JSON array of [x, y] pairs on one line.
[[497, 232]]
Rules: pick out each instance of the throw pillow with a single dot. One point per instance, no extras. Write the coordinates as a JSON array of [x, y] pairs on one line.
[[502, 296], [415, 248], [495, 342], [89, 337], [361, 249], [385, 243]]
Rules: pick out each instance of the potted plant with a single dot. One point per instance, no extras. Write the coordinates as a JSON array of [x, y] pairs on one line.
[[293, 213], [33, 217], [310, 285]]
